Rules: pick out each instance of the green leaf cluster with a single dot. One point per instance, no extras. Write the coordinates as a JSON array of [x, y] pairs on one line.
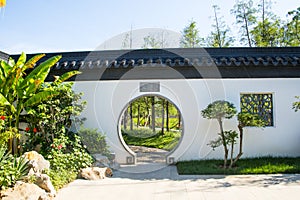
[[296, 104], [94, 141], [12, 169], [219, 110]]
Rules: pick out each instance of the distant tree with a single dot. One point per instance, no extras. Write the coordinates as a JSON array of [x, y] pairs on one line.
[[296, 105], [219, 36], [292, 29], [267, 32], [151, 42], [220, 110], [126, 41], [190, 36], [244, 12], [155, 40]]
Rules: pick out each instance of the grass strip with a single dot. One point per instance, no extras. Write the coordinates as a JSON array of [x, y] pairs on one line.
[[263, 165]]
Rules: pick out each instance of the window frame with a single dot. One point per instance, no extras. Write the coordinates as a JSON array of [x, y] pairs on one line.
[[272, 105]]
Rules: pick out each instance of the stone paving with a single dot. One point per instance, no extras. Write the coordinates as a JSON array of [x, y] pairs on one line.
[[152, 179], [149, 155], [134, 182]]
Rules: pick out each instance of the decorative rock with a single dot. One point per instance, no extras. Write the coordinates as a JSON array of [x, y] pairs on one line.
[[44, 182], [37, 162], [25, 191], [96, 173]]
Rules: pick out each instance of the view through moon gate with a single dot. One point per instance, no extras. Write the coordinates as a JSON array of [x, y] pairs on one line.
[[151, 126]]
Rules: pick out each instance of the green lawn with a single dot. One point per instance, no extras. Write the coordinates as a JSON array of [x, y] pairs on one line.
[[146, 138], [264, 165]]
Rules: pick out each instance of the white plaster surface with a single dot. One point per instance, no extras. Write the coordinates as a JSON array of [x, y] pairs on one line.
[[107, 99]]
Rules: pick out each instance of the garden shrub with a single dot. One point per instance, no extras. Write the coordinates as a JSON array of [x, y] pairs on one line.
[[50, 127], [67, 156], [94, 141], [54, 117]]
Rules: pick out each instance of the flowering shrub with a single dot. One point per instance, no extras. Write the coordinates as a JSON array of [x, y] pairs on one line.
[[67, 156], [6, 132], [49, 128], [53, 118]]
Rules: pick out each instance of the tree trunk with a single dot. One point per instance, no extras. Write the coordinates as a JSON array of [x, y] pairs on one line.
[[167, 116], [162, 117], [131, 117], [125, 119], [224, 143], [240, 127], [231, 155], [138, 116], [153, 114]]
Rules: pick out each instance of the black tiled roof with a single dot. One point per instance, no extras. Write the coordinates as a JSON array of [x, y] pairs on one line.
[[3, 56], [188, 63]]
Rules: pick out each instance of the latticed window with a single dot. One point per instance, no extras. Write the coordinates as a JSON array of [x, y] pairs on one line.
[[261, 104]]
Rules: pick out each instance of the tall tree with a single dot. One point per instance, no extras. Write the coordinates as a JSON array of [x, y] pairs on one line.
[[219, 36], [244, 12], [126, 41], [267, 32], [131, 116], [151, 42], [155, 40], [162, 116], [190, 36], [292, 29], [153, 115], [167, 116]]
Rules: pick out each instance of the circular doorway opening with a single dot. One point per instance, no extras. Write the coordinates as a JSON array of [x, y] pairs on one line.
[[151, 126]]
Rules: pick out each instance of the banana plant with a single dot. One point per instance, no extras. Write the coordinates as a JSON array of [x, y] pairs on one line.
[[18, 90]]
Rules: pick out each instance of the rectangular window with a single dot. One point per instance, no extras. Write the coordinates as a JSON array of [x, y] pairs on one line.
[[261, 104]]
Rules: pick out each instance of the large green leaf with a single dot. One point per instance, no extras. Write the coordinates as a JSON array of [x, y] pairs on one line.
[[30, 63], [21, 61], [43, 67], [4, 68], [35, 78], [39, 97], [66, 76], [4, 102]]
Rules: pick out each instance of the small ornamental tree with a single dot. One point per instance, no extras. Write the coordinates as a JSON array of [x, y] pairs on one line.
[[220, 110], [246, 119]]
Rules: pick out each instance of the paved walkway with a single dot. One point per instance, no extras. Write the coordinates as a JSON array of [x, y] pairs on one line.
[[139, 182]]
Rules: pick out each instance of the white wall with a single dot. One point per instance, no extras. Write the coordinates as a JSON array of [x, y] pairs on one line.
[[107, 99]]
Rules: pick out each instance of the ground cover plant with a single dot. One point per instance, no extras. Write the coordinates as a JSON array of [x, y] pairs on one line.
[[263, 165]]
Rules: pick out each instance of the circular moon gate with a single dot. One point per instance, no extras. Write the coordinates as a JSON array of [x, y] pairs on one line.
[[150, 128]]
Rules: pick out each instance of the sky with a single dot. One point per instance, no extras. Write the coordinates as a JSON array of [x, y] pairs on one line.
[[40, 26]]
